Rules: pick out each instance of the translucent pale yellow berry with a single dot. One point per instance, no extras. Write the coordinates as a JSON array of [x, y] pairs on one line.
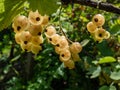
[[91, 27], [26, 47], [35, 18], [45, 20], [35, 48], [65, 55], [35, 30], [99, 34], [63, 43], [49, 31], [37, 40], [57, 49], [18, 38], [75, 57], [107, 35], [26, 37], [20, 23], [98, 20], [70, 64], [54, 39], [75, 47]]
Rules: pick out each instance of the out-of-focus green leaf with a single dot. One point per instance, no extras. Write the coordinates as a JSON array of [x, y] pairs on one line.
[[115, 75], [104, 88], [59, 71], [119, 38], [11, 9], [44, 6], [96, 73], [107, 59], [115, 29], [112, 87], [107, 88], [104, 49], [1, 6]]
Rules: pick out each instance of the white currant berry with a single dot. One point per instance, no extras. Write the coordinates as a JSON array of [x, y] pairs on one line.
[[63, 43], [18, 38], [57, 49], [107, 35], [45, 20], [26, 37], [35, 48], [37, 40], [35, 30], [91, 27], [70, 64], [65, 55], [26, 47], [54, 39], [75, 57], [99, 35], [35, 18], [49, 31], [98, 20], [75, 47], [20, 23]]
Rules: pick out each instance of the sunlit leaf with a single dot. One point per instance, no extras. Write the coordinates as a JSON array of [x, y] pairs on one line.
[[44, 6], [96, 72], [85, 42], [107, 59], [115, 75], [12, 8], [1, 6], [112, 87]]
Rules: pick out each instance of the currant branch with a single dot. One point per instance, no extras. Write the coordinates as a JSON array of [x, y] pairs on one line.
[[100, 5], [60, 27]]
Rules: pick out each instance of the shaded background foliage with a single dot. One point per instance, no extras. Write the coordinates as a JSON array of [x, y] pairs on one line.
[[23, 71]]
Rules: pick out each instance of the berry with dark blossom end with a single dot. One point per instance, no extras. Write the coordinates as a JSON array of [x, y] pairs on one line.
[[98, 20]]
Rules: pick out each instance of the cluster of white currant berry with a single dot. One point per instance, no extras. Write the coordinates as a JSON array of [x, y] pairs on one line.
[[96, 29], [28, 31], [68, 53]]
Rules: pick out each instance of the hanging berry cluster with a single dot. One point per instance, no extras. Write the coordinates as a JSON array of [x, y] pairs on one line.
[[28, 31], [68, 53], [96, 29]]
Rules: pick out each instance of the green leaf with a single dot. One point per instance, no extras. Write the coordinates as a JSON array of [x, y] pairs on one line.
[[119, 38], [107, 59], [115, 75], [104, 49], [44, 6], [112, 87], [85, 42], [96, 72], [107, 87], [12, 8], [1, 6], [115, 29], [104, 88]]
